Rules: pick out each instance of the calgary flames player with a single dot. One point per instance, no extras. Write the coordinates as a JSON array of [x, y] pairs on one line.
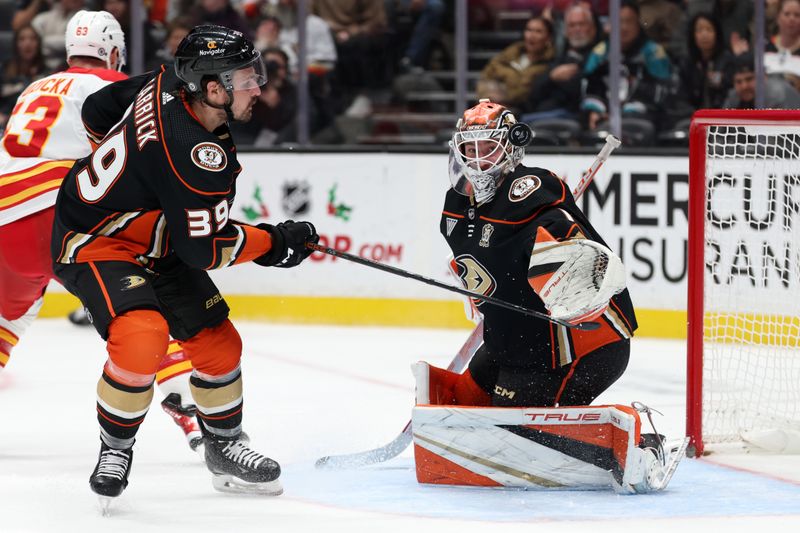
[[517, 234], [44, 136]]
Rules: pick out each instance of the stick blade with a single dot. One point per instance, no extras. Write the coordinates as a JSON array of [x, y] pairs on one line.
[[351, 461]]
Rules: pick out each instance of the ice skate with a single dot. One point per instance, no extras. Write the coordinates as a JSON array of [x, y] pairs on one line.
[[110, 476], [80, 317], [184, 417], [658, 459], [238, 469]]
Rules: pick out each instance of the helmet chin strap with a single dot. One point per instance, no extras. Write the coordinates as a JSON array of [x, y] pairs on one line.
[[225, 107]]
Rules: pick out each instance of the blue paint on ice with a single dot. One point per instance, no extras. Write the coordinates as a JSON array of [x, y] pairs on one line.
[[698, 489]]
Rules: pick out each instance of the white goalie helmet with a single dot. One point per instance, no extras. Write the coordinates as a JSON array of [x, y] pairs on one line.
[[95, 34], [488, 144]]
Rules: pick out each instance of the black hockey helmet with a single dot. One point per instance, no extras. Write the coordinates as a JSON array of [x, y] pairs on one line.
[[211, 50]]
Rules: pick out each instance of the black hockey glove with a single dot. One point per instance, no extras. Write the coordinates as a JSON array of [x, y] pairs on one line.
[[288, 243]]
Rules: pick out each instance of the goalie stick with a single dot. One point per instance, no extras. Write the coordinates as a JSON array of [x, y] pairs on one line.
[[459, 363], [584, 326], [401, 442]]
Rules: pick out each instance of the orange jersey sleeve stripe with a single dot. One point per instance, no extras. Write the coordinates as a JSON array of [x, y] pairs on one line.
[[257, 243]]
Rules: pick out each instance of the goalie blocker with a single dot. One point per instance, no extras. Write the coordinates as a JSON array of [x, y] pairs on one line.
[[583, 447]]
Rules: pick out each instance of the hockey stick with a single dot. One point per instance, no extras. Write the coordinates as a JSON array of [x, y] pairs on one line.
[[611, 143], [459, 363], [585, 326], [401, 442]]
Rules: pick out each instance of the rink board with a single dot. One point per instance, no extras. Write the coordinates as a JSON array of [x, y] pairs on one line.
[[387, 207]]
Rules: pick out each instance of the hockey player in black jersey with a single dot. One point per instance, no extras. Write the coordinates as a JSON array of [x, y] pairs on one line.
[[516, 234], [138, 224]]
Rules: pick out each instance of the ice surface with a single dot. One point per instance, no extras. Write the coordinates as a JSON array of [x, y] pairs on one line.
[[313, 391]]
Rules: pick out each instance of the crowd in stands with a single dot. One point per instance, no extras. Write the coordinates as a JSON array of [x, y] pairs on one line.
[[374, 65]]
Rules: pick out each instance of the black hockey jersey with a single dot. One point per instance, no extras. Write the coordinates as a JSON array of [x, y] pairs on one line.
[[492, 245], [158, 183]]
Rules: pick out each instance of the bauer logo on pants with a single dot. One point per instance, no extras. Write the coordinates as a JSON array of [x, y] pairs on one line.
[[209, 156]]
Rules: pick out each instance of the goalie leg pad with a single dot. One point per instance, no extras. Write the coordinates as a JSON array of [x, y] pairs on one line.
[[437, 386]]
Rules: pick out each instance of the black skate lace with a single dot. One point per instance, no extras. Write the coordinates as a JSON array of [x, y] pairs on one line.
[[238, 452], [113, 463]]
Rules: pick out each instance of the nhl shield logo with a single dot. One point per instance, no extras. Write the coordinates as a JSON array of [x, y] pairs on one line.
[[296, 197]]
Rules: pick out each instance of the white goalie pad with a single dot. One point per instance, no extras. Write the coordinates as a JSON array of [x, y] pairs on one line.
[[575, 278], [578, 448]]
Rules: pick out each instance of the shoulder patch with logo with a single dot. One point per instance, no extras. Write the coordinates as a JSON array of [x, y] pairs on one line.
[[209, 156], [523, 187]]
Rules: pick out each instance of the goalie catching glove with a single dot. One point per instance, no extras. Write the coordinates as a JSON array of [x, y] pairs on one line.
[[575, 278], [289, 241]]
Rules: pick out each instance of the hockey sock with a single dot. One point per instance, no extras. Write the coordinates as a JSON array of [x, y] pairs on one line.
[[219, 402], [12, 330], [172, 376], [7, 342], [121, 409]]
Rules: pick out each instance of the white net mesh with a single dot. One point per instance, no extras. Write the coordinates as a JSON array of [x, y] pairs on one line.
[[751, 355]]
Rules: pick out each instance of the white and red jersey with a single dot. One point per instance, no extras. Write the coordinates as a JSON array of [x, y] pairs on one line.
[[43, 137]]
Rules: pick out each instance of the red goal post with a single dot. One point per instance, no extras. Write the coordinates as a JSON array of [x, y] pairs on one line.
[[743, 350]]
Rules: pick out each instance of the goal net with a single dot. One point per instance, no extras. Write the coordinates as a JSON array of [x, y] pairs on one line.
[[743, 380]]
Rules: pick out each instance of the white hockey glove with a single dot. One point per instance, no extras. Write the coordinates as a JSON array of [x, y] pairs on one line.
[[575, 278]]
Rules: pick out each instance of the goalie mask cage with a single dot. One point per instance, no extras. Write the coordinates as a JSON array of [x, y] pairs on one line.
[[743, 372]]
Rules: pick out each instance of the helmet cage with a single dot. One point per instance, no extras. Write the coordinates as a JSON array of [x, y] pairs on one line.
[[474, 156]]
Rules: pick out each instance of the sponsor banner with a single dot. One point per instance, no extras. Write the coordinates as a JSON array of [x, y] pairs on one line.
[[387, 207]]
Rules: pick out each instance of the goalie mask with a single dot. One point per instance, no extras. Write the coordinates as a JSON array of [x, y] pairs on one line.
[[488, 144], [95, 34]]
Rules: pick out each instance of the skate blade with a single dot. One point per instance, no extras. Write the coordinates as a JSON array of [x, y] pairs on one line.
[[105, 505], [233, 485]]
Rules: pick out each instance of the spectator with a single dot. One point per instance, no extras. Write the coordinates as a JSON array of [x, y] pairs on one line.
[[665, 22], [320, 46], [428, 17], [706, 72], [645, 76], [176, 31], [559, 93], [120, 9], [221, 13], [25, 11], [509, 76], [275, 111], [25, 66], [359, 29], [51, 26], [783, 51], [779, 93]]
